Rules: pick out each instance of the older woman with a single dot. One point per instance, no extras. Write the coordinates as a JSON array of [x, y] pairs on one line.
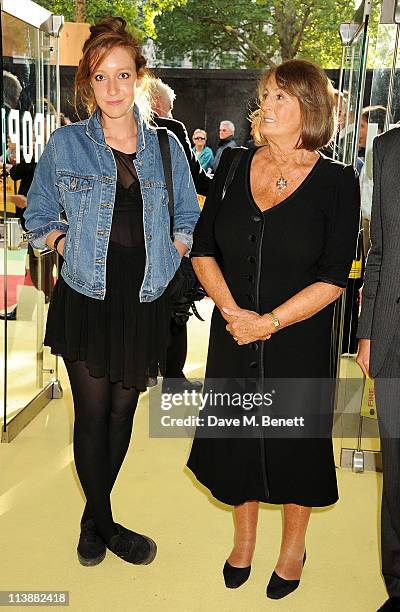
[[274, 254], [204, 154]]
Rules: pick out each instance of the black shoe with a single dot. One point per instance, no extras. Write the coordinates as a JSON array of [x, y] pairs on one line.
[[393, 603], [179, 385], [132, 547], [91, 548], [279, 587], [10, 315], [235, 576]]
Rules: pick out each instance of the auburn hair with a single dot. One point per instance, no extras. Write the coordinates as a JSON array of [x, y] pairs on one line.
[[314, 91], [105, 35]]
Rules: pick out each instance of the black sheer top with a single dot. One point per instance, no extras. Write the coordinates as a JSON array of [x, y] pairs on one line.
[[127, 224]]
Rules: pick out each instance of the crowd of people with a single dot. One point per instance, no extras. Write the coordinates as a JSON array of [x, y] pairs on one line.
[[272, 247]]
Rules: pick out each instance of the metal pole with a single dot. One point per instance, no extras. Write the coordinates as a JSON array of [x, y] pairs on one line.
[[4, 170], [391, 81], [340, 85]]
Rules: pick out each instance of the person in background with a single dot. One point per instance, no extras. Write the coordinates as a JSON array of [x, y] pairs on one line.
[[379, 344], [96, 199], [370, 114], [374, 116], [226, 141], [162, 97], [203, 153]]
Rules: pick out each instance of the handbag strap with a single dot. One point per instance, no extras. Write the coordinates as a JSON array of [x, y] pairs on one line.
[[237, 153], [165, 151]]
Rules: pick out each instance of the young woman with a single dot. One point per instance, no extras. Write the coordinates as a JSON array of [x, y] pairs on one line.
[[109, 315]]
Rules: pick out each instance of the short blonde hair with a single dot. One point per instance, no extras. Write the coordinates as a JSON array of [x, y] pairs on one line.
[[200, 131], [310, 85]]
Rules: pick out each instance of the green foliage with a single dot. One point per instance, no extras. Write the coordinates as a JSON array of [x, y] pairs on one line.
[[138, 14], [252, 33]]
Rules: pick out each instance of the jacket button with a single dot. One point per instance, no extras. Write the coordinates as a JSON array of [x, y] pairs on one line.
[[73, 183], [253, 364], [250, 298], [254, 346], [252, 237], [255, 218], [251, 259], [250, 278]]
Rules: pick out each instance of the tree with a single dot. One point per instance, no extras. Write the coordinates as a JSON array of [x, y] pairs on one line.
[[139, 14], [252, 33], [80, 11]]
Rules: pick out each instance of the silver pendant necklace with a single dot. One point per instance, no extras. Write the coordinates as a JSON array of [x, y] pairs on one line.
[[281, 183]]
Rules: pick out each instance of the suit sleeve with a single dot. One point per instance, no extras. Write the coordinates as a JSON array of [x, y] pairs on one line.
[[374, 260], [204, 243]]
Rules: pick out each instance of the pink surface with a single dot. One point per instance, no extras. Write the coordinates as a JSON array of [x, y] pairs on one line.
[[14, 283]]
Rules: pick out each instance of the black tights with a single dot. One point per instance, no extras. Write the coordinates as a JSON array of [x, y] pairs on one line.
[[104, 414]]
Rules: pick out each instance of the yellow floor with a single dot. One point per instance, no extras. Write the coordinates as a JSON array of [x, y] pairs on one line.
[[41, 503]]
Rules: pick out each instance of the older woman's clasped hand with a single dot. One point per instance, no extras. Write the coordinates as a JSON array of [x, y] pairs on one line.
[[247, 326]]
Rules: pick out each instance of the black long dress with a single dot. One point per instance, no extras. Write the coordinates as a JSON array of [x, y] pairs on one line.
[[266, 258], [119, 336]]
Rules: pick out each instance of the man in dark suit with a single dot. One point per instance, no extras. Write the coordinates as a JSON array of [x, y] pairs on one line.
[[379, 345], [162, 104]]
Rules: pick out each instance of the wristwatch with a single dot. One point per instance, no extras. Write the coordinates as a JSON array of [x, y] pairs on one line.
[[275, 320]]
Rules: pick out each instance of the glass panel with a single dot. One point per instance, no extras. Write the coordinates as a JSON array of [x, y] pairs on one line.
[[357, 430], [29, 116], [349, 100]]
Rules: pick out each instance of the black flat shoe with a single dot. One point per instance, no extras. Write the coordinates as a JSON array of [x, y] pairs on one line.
[[279, 587], [235, 576], [393, 603], [132, 547], [91, 548]]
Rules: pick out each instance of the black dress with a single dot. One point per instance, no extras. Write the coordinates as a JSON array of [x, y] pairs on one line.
[[119, 336], [266, 258]]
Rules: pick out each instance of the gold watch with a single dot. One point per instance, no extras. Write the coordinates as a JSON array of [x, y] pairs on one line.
[[275, 320]]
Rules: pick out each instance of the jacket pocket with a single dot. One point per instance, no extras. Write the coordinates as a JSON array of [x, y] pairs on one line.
[[75, 192]]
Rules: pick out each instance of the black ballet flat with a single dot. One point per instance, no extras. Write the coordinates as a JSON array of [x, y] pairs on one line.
[[235, 576], [279, 587]]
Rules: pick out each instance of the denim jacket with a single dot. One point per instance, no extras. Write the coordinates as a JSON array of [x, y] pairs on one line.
[[75, 179]]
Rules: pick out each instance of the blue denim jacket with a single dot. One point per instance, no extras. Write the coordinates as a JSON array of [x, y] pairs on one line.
[[76, 175]]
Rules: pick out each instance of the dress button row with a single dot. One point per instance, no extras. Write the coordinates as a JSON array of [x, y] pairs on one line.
[[253, 364], [255, 218], [251, 259], [251, 298], [254, 346], [252, 237]]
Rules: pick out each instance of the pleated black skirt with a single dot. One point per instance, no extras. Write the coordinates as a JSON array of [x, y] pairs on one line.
[[119, 336]]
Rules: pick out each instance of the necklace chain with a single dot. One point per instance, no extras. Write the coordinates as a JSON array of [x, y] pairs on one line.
[[282, 182]]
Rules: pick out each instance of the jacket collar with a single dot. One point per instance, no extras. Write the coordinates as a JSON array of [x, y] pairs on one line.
[[95, 131]]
